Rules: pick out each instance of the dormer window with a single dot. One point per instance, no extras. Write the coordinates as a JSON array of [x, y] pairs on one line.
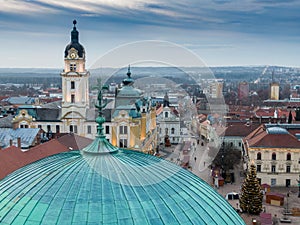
[[73, 67]]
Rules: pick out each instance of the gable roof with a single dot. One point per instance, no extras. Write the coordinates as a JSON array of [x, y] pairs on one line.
[[23, 100], [48, 114], [73, 141], [27, 135], [5, 122], [12, 158], [170, 109], [240, 129]]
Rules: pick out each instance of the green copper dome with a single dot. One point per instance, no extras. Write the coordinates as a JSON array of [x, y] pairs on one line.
[[123, 187]]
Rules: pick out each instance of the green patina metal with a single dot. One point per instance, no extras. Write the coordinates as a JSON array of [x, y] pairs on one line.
[[100, 145], [128, 187]]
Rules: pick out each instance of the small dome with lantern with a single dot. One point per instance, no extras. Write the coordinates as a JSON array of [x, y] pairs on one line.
[[74, 44]]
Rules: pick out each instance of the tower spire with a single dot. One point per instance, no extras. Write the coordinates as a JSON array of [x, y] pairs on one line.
[[100, 106], [74, 33], [128, 81], [100, 145], [128, 72]]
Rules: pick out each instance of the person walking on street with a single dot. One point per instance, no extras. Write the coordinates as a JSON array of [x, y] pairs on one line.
[[275, 220]]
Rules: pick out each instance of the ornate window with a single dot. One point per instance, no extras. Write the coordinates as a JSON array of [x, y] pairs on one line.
[[273, 181], [173, 130], [288, 169], [72, 84], [288, 157], [73, 129], [123, 129], [258, 168], [258, 156], [273, 156], [123, 143], [273, 169]]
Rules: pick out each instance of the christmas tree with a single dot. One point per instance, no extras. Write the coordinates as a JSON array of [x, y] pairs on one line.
[[251, 195]]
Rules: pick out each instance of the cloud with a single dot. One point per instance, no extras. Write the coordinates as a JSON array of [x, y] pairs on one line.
[[208, 46], [22, 7], [247, 16]]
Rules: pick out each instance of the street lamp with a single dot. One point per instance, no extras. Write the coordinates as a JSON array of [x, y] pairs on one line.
[[287, 211], [299, 187], [222, 159]]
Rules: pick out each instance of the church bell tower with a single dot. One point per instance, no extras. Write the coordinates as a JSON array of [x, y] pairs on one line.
[[75, 85]]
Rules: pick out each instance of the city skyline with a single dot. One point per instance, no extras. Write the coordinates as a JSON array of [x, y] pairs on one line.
[[220, 32]]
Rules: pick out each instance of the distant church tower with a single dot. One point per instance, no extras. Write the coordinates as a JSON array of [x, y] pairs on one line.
[[274, 89], [75, 85]]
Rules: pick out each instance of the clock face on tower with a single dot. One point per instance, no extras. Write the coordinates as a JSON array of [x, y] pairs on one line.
[[73, 55]]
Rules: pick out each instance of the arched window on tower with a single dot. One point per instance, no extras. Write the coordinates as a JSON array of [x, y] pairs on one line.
[[258, 156], [72, 98], [273, 156]]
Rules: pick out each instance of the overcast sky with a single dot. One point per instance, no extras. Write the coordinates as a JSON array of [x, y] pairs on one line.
[[221, 32]]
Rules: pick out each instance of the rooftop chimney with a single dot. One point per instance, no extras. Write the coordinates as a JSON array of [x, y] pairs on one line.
[[19, 142]]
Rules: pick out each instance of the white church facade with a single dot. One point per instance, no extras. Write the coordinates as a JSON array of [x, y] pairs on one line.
[[130, 123]]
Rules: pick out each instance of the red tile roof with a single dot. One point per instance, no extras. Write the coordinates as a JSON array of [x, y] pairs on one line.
[[12, 158], [261, 138], [240, 129], [74, 141], [159, 110], [269, 112]]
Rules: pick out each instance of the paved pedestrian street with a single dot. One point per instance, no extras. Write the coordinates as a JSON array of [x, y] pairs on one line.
[[199, 164]]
